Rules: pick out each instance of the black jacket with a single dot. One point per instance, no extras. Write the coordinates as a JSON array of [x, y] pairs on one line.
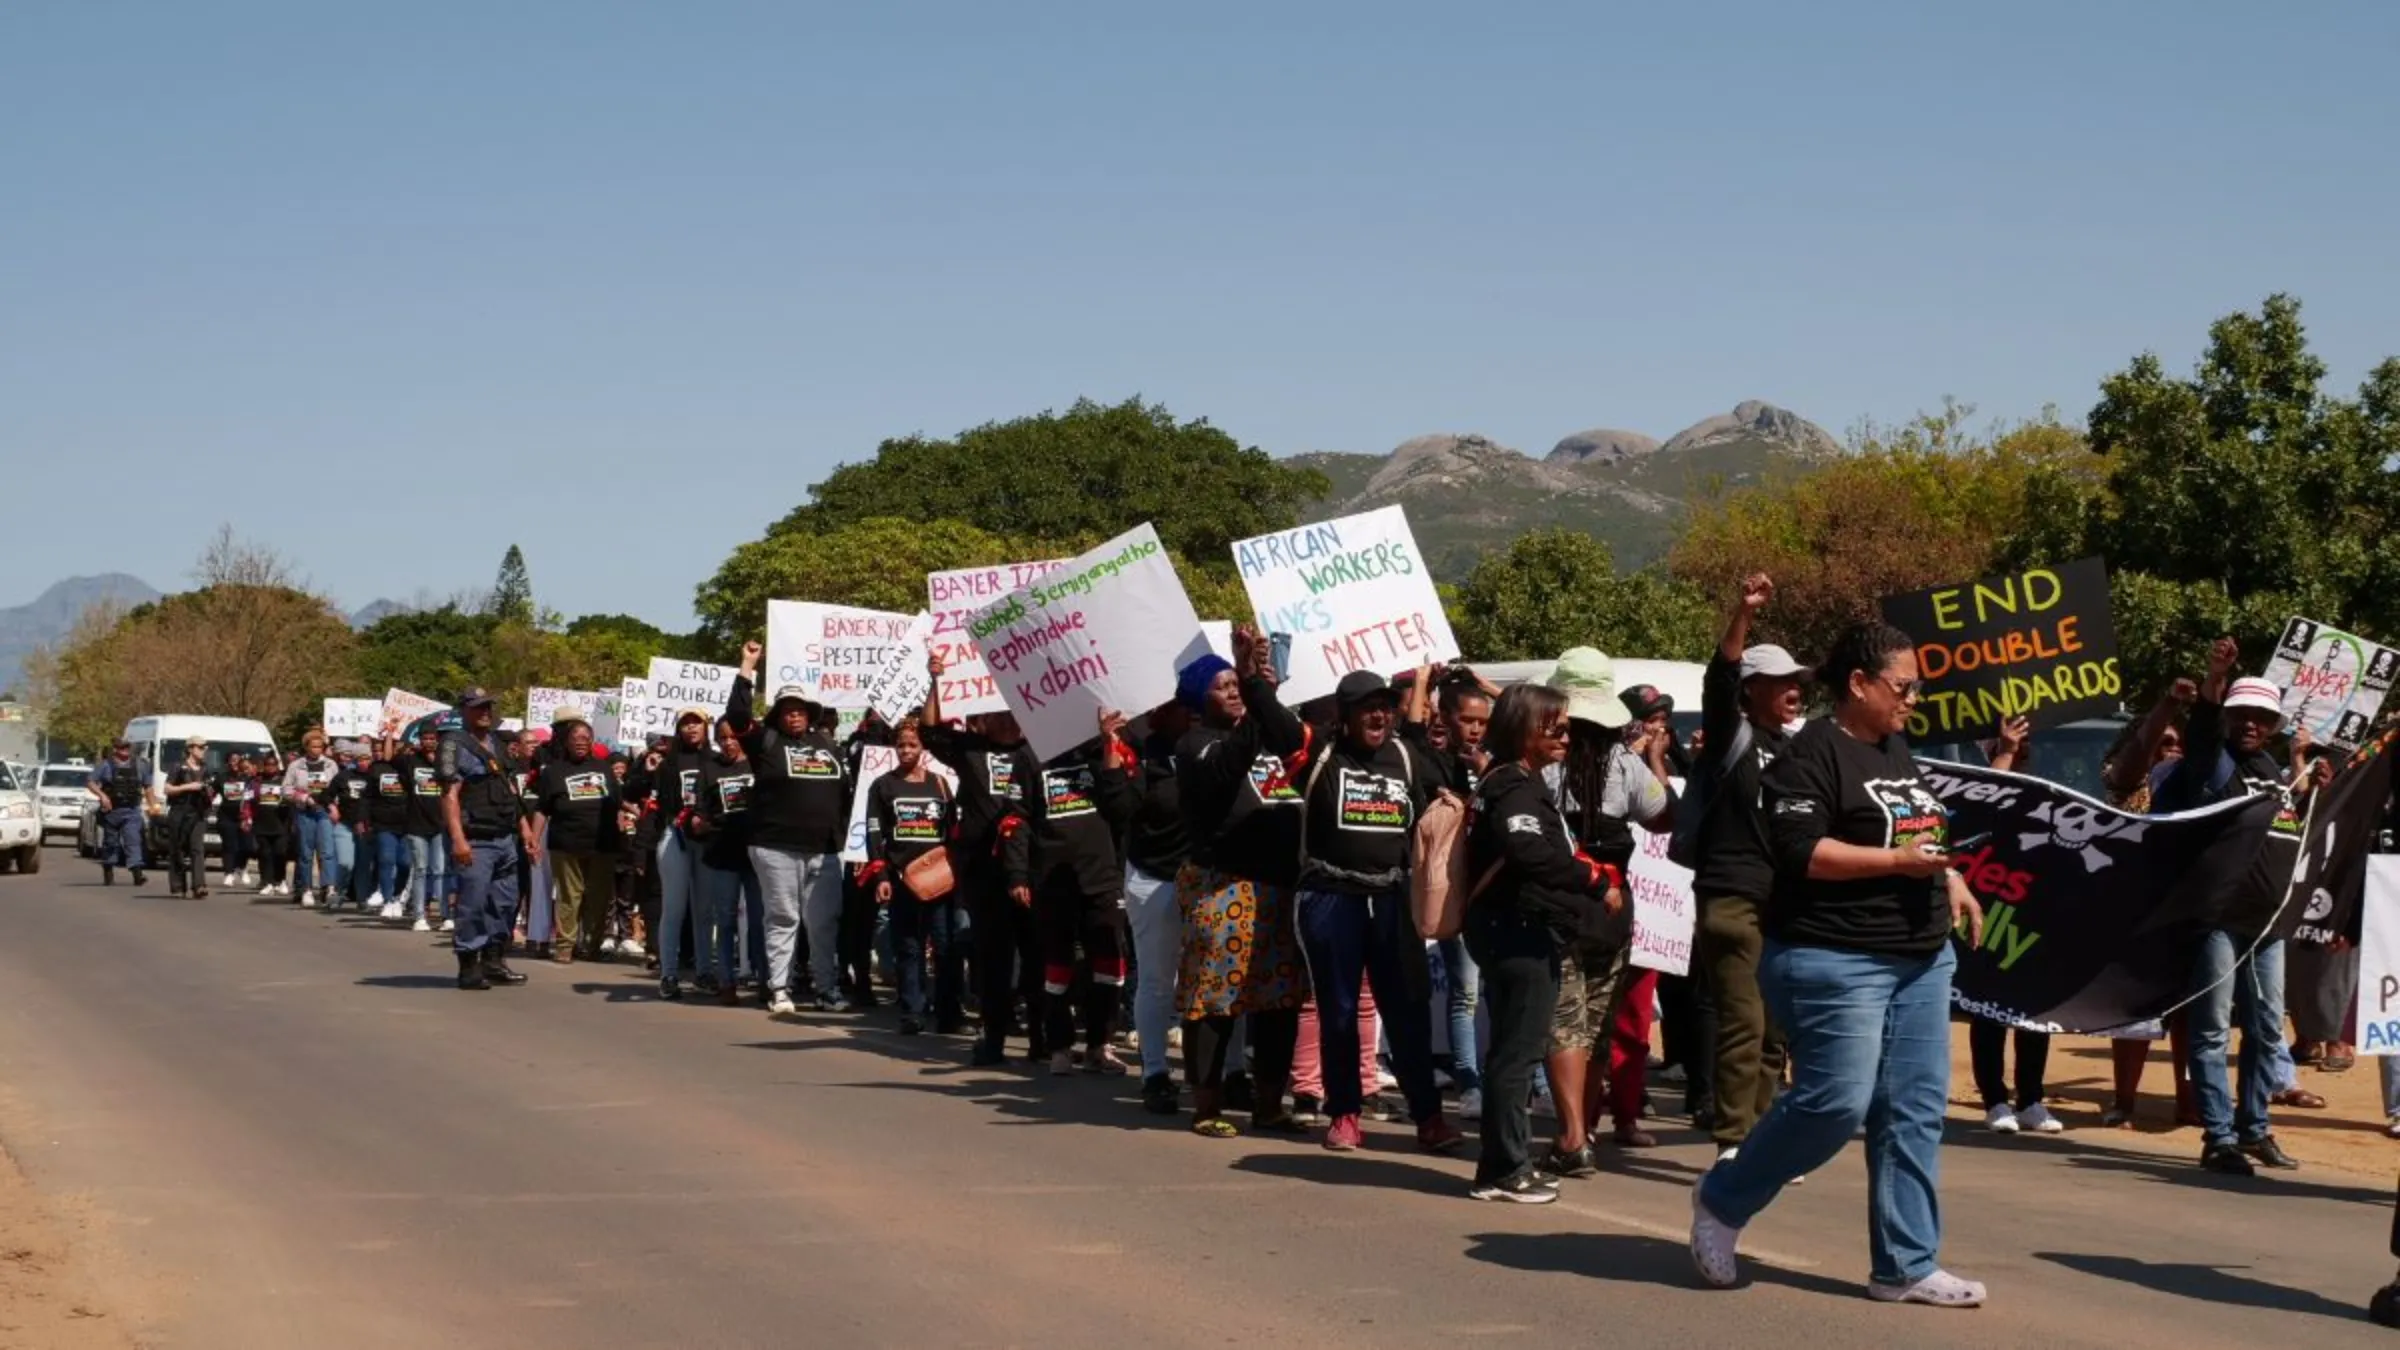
[[1240, 807], [1056, 836], [1145, 804], [1541, 878]]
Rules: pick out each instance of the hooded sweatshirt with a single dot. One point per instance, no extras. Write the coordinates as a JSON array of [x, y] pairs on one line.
[[1056, 837]]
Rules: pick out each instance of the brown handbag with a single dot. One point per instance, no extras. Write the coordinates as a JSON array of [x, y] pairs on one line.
[[928, 876]]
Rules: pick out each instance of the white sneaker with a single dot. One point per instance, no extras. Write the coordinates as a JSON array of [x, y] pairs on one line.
[[1470, 1104], [449, 925], [308, 899], [1941, 1289], [394, 910], [226, 883], [376, 901], [1726, 1155], [420, 926], [249, 876], [1384, 1078], [629, 947], [1713, 1244], [2038, 1119], [2001, 1120], [781, 1005], [607, 945]]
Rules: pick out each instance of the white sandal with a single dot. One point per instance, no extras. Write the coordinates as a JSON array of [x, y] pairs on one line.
[[1941, 1289]]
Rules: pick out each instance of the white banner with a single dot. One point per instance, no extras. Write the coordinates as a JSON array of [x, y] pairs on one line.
[[1664, 912], [1354, 594], [677, 685], [1108, 630], [635, 717], [874, 761], [353, 716], [831, 651], [952, 598], [2379, 959], [543, 704], [900, 687], [401, 707]]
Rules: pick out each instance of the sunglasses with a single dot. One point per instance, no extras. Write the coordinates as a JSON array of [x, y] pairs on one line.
[[1907, 691]]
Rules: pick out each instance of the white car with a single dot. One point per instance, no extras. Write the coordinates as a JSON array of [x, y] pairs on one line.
[[20, 825], [59, 791]]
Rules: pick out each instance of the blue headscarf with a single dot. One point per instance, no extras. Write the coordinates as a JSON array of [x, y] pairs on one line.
[[1192, 682]]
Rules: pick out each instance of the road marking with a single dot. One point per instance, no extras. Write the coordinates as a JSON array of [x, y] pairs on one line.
[[590, 1106]]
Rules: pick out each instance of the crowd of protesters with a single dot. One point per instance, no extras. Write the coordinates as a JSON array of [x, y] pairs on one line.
[[1235, 876]]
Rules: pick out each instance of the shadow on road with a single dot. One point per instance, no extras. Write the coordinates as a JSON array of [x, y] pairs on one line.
[[1630, 1258], [2205, 1283], [410, 981], [2169, 1170], [1351, 1169]]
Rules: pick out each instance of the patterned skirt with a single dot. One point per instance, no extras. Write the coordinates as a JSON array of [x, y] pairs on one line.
[[1241, 953]]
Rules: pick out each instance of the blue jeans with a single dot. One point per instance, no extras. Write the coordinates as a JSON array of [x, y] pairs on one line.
[[121, 838], [722, 891], [428, 871], [1870, 1045], [312, 850], [391, 860], [1347, 939], [915, 924], [345, 858], [1465, 987], [2235, 994], [1157, 922], [487, 896]]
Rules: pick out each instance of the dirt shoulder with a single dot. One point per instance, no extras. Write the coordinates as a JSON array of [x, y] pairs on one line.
[[48, 1301]]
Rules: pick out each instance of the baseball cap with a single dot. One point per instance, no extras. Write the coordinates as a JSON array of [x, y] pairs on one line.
[[1589, 680], [1360, 685], [2255, 694], [691, 714], [473, 696], [1770, 661], [1647, 700]]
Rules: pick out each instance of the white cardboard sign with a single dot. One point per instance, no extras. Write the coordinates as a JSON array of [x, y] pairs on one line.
[[952, 598], [1664, 912], [353, 716], [900, 687], [874, 761], [2379, 958], [1108, 630], [672, 687], [1353, 593], [830, 650], [2333, 682], [401, 707], [543, 704]]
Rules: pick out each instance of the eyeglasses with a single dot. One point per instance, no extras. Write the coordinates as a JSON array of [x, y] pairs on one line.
[[1556, 731], [1907, 691]]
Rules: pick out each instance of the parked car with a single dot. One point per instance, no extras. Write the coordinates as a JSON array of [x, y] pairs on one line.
[[20, 824], [59, 791], [2071, 755], [159, 740]]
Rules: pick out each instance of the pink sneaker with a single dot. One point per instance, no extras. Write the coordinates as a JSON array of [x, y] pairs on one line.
[[1344, 1135], [1438, 1135]]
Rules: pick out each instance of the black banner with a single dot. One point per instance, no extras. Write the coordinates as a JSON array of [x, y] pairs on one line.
[[2092, 915], [2041, 643], [2330, 884]]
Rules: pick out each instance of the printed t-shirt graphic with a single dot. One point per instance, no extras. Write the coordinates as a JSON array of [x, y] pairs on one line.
[[916, 820], [813, 762], [1001, 769], [733, 792], [587, 787], [428, 783], [1068, 791], [1373, 803], [1271, 783], [388, 784]]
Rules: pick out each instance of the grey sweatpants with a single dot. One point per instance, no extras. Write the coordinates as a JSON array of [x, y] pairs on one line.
[[800, 888]]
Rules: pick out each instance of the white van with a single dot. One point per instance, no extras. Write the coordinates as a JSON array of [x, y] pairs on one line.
[[159, 741]]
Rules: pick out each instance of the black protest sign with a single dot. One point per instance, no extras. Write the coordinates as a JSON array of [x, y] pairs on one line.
[[2092, 915], [2040, 644]]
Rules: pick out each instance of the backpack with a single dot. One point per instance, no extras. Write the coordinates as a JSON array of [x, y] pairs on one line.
[[1700, 796], [1438, 887]]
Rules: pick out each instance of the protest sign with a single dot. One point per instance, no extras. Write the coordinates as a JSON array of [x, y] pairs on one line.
[[952, 598], [608, 706], [874, 761], [690, 684], [2333, 682], [1664, 912], [543, 704], [634, 716], [900, 687], [1108, 630], [2379, 959], [353, 716], [2091, 914], [2040, 644], [2322, 907], [1219, 633], [831, 651], [401, 707], [1354, 594]]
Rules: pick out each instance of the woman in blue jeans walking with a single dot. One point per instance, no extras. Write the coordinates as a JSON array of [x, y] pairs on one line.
[[1856, 970]]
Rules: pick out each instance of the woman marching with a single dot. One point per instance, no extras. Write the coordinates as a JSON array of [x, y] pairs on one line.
[[1856, 970], [1064, 864], [1240, 957], [909, 812]]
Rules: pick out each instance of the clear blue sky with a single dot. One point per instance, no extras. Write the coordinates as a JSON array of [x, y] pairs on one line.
[[634, 275]]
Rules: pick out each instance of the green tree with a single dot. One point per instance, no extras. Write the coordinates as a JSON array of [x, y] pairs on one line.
[[434, 652], [878, 563], [512, 590], [2244, 494], [1092, 472], [1555, 589]]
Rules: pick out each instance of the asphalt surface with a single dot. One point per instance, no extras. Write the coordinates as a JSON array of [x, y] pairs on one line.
[[289, 1130]]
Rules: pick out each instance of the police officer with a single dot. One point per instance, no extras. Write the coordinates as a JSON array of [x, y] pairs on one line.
[[481, 815], [122, 783]]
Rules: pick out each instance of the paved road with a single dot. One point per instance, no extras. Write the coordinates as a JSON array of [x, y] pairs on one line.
[[293, 1133]]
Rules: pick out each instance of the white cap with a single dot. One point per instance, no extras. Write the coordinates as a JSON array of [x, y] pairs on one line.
[[1773, 662], [2255, 694]]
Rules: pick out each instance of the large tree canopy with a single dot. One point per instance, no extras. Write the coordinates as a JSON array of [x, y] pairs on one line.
[[878, 563], [1091, 472], [1555, 589]]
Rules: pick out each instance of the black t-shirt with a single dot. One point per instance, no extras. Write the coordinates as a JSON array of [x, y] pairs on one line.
[[349, 792], [387, 796], [267, 807], [424, 778], [906, 820], [987, 788], [231, 791], [1145, 804], [1240, 806], [1362, 815], [1831, 786], [803, 791], [580, 798], [187, 803], [1734, 856], [1069, 843], [722, 802]]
